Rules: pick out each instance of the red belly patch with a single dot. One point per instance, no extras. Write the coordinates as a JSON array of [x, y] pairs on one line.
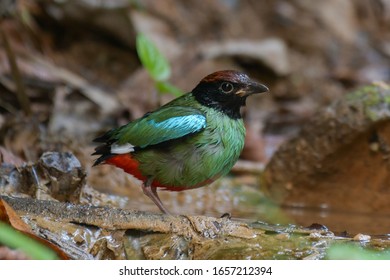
[[131, 166], [128, 164]]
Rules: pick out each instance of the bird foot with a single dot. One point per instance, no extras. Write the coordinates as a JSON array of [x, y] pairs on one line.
[[226, 216]]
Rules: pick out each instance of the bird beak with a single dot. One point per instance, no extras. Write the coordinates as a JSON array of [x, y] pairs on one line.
[[252, 88]]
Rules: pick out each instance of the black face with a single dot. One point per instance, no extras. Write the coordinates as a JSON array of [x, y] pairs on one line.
[[226, 91]]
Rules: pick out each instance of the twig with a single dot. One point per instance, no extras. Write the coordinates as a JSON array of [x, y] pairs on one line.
[[20, 89]]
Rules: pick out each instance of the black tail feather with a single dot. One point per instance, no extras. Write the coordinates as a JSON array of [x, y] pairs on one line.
[[103, 150]]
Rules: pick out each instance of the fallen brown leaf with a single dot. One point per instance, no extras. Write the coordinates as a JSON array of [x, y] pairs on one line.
[[8, 215]]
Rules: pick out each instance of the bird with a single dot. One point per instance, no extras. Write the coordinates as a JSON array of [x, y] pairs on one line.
[[187, 143]]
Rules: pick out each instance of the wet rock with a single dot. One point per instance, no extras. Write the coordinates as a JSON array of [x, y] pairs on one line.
[[59, 162], [340, 160], [56, 175], [317, 226], [362, 237], [64, 175]]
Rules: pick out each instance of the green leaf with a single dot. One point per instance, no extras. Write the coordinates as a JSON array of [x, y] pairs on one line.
[[17, 240], [165, 87], [152, 59]]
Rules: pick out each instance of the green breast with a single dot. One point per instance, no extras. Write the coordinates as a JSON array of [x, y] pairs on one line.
[[192, 161]]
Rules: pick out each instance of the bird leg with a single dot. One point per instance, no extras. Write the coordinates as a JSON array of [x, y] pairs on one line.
[[151, 192]]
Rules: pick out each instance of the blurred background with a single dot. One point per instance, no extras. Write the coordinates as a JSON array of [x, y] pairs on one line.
[[69, 71]]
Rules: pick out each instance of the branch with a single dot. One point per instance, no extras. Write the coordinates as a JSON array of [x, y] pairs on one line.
[[121, 219]]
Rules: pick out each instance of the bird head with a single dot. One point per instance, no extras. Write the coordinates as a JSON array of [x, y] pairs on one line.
[[226, 91]]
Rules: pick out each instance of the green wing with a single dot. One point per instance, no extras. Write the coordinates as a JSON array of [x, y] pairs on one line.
[[165, 124]]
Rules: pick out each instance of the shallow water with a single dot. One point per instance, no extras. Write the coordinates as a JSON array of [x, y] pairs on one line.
[[248, 203]]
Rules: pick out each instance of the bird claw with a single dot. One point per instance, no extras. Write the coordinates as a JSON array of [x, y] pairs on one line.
[[227, 216]]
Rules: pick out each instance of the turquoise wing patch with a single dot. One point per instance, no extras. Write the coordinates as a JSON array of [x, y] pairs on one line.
[[165, 124]]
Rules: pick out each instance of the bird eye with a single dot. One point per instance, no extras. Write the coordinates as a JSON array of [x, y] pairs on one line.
[[227, 87]]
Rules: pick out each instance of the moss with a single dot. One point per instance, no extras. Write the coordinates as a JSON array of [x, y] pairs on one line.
[[368, 94], [375, 100]]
